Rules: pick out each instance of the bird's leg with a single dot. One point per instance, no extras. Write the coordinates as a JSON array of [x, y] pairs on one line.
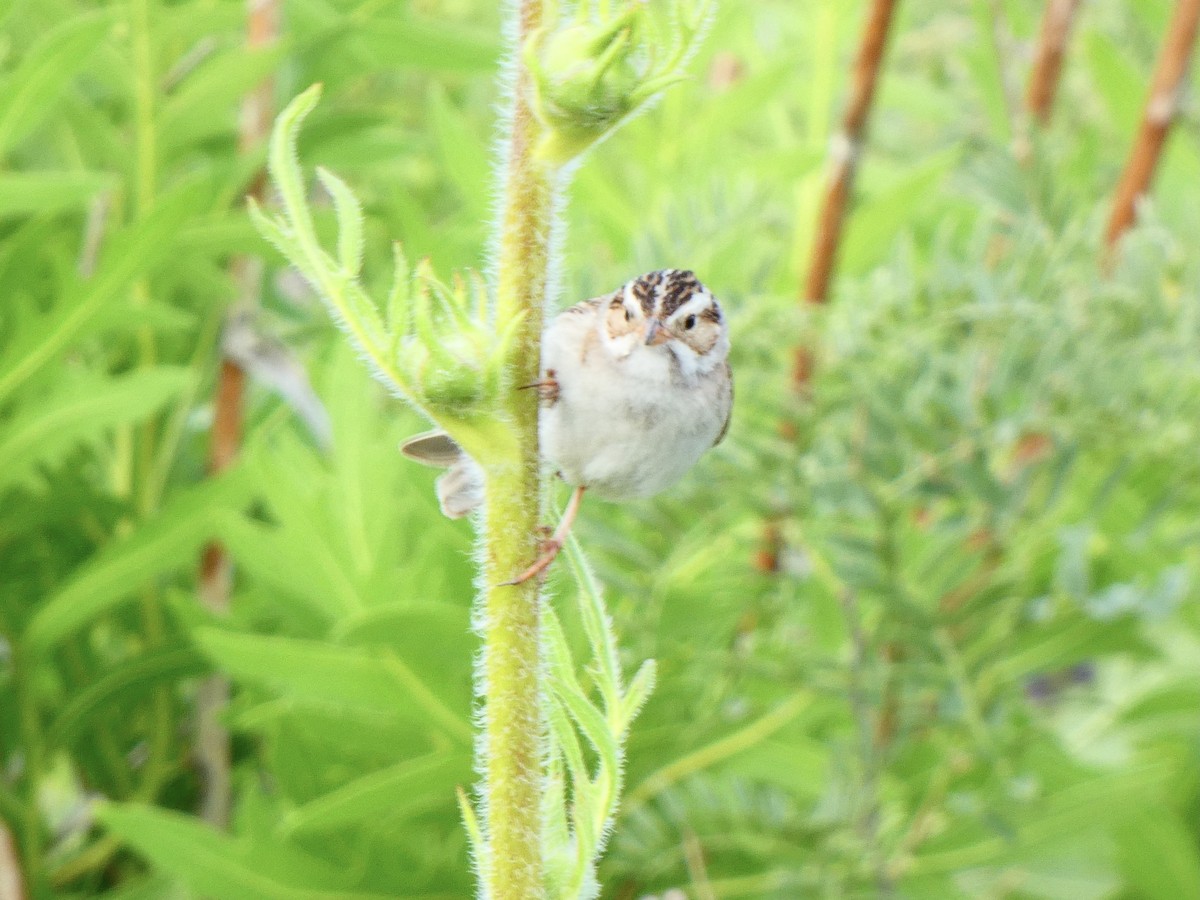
[[551, 547], [547, 388]]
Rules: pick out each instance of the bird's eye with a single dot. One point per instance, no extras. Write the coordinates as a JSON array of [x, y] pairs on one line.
[[628, 314], [689, 322]]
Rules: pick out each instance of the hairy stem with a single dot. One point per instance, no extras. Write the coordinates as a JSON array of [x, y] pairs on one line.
[[514, 777]]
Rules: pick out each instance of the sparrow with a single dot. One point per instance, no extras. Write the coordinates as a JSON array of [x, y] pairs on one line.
[[635, 387]]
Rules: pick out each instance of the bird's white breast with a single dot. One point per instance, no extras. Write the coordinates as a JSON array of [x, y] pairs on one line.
[[625, 426]]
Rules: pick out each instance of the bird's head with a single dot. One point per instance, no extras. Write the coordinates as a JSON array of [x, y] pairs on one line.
[[668, 311]]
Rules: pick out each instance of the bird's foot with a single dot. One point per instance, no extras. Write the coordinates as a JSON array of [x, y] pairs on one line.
[[547, 388], [550, 546], [549, 549]]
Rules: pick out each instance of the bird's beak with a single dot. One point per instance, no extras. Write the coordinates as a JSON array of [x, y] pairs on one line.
[[656, 334]]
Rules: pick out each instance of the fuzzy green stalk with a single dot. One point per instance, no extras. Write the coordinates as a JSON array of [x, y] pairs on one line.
[[515, 778]]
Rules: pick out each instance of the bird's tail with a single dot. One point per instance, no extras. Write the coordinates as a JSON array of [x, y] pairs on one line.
[[460, 489]]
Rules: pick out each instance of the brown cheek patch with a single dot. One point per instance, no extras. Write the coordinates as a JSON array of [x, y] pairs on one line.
[[704, 340]]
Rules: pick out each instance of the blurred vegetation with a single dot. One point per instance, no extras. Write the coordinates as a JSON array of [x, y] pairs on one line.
[[977, 675]]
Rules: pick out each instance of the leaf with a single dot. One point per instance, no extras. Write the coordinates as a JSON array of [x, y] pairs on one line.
[[463, 153], [293, 561], [1158, 854], [32, 92], [881, 216], [429, 46], [133, 677], [210, 863], [207, 100], [350, 223], [321, 673], [172, 538], [561, 679], [392, 795], [84, 410], [43, 192], [133, 252]]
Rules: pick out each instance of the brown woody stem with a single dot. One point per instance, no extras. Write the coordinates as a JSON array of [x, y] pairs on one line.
[[1161, 108], [846, 149], [1057, 21], [212, 740]]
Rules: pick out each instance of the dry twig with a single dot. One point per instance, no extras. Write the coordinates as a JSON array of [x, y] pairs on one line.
[[1161, 107]]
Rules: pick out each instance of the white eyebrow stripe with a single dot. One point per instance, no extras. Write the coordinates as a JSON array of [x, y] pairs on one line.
[[629, 299], [699, 301]]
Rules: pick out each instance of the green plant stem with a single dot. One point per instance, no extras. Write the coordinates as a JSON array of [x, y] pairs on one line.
[[514, 779], [32, 745]]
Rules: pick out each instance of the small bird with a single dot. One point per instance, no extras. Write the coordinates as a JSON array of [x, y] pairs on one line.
[[635, 386]]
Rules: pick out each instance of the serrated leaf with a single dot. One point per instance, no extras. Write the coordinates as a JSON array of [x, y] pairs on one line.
[[350, 222]]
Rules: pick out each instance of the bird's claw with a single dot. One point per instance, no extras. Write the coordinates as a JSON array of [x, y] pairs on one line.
[[549, 549], [547, 388]]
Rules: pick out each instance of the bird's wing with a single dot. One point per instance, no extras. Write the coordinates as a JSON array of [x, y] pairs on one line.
[[433, 448], [729, 408], [568, 336]]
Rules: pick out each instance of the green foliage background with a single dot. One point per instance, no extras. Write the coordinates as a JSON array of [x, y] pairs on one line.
[[979, 672]]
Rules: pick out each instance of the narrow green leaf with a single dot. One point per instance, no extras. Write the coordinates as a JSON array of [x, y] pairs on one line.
[[210, 863], [471, 824], [597, 626], [132, 678], [565, 738], [84, 411], [33, 90], [285, 167], [392, 795], [43, 192], [562, 681], [639, 692], [134, 252], [429, 45], [308, 671], [274, 229], [320, 673], [171, 539], [205, 103], [350, 222]]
